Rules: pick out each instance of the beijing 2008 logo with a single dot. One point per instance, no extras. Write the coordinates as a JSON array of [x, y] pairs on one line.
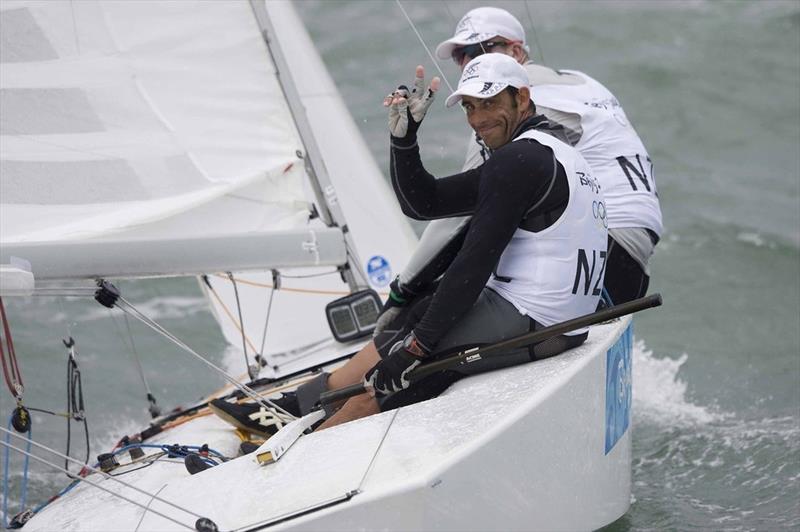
[[379, 271]]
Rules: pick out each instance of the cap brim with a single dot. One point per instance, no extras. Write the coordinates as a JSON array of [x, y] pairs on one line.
[[445, 49], [476, 89]]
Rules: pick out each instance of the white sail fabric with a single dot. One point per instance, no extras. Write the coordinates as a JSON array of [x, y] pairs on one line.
[[382, 239], [143, 138], [115, 116]]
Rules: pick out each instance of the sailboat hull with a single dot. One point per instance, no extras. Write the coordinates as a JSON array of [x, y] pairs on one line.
[[545, 445]]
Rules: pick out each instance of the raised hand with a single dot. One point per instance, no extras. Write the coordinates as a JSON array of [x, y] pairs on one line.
[[406, 110]]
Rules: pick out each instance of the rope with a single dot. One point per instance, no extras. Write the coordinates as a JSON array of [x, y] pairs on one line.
[[296, 290], [75, 404], [11, 372], [98, 486], [6, 487], [170, 449]]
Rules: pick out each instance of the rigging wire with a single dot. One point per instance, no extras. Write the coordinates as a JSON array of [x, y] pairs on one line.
[[225, 307], [127, 337], [535, 33], [96, 484], [152, 403], [148, 507], [276, 283], [430, 54], [447, 8], [263, 401], [252, 371]]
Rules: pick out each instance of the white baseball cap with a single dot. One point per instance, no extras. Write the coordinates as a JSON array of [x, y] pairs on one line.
[[482, 24], [487, 75]]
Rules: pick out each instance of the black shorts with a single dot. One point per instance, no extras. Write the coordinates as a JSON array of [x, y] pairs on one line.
[[490, 320]]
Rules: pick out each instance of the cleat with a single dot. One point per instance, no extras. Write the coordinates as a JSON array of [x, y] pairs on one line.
[[247, 447], [194, 463]]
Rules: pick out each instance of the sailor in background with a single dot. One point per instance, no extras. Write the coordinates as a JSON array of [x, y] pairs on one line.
[[594, 123], [532, 257]]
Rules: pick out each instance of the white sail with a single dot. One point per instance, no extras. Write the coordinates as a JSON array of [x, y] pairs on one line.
[[168, 138], [357, 195], [116, 118]]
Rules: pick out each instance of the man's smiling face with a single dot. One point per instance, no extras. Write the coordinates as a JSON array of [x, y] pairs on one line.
[[494, 119]]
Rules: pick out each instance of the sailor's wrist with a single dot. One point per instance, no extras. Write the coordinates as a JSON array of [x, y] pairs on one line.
[[406, 142], [414, 346], [399, 293]]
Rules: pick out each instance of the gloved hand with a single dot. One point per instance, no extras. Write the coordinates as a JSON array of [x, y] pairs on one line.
[[406, 111], [390, 375], [398, 299]]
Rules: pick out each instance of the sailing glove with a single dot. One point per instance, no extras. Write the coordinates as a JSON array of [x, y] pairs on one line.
[[391, 374], [406, 110], [398, 299]]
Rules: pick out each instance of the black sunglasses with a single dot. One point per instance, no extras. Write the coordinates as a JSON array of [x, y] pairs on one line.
[[474, 50]]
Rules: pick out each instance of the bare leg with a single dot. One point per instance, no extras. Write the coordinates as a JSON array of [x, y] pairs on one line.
[[351, 373], [355, 408], [355, 368]]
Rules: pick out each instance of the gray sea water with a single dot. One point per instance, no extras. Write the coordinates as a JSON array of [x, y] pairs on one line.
[[713, 88]]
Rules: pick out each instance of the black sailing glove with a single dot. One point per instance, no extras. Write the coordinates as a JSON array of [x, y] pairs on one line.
[[406, 111], [390, 375]]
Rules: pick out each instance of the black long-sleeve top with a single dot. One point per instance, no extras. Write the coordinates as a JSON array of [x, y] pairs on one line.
[[521, 185]]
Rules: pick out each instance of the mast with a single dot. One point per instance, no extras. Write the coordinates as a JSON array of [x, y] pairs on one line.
[[329, 209]]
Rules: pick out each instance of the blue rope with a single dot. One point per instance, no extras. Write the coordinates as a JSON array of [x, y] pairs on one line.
[[51, 499], [6, 459], [169, 449], [165, 448]]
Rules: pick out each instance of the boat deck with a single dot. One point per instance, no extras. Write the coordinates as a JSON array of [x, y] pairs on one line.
[[518, 448]]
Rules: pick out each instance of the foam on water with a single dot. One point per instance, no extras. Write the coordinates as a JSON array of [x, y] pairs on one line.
[[696, 463], [659, 394]]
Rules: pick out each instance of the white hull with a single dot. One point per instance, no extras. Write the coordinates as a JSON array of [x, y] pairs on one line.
[[518, 449]]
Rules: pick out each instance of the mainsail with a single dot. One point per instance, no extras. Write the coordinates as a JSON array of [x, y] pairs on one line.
[[188, 137]]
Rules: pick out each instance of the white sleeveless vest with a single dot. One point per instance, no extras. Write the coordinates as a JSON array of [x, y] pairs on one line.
[[557, 274], [612, 148]]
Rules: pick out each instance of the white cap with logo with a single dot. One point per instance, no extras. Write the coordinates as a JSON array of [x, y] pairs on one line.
[[487, 75], [482, 24]]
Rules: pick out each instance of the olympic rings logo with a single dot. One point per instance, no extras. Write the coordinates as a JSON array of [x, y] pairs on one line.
[[599, 211]]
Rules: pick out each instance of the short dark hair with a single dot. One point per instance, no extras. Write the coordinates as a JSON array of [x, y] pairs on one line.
[[513, 91]]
